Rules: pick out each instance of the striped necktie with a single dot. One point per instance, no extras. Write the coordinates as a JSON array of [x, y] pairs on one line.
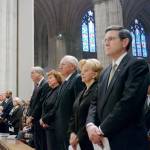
[[112, 72]]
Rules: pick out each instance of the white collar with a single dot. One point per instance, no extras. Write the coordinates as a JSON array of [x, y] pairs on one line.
[[40, 81], [68, 77], [118, 61]]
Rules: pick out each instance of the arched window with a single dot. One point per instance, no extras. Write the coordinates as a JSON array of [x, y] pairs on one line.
[[88, 32], [139, 48]]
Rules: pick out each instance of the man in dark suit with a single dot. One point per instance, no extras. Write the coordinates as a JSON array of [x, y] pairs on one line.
[[35, 108], [7, 104], [147, 110], [117, 112], [67, 94]]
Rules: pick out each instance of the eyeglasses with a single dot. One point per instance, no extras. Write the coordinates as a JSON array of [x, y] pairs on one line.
[[110, 39]]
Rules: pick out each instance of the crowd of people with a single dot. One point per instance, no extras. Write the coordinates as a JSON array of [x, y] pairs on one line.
[[12, 113], [80, 103]]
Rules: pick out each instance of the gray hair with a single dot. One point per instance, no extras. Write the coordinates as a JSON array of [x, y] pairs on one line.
[[71, 59], [38, 69]]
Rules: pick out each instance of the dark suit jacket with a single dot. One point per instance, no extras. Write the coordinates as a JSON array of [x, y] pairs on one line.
[[49, 108], [119, 107], [15, 118], [66, 97], [80, 111], [7, 106], [147, 116], [38, 96]]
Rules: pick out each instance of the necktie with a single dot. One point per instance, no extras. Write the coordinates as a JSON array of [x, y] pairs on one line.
[[113, 69]]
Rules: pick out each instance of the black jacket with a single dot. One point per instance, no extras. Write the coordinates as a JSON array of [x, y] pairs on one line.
[[38, 96], [49, 108], [119, 107], [67, 94], [80, 111]]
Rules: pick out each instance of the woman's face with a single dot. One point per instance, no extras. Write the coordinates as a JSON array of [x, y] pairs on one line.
[[52, 81], [87, 74]]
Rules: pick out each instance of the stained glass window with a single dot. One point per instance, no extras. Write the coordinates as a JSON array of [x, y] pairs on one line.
[[139, 48], [88, 32]]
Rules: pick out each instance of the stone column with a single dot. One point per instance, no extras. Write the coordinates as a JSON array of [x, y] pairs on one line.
[[25, 46], [60, 47], [107, 12], [8, 45]]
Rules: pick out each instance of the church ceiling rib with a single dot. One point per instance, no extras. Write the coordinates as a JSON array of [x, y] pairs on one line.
[[62, 15], [132, 7]]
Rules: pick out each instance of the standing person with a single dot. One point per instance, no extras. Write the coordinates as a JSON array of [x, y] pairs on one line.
[[90, 70], [5, 108], [122, 91], [49, 107], [147, 110], [67, 94], [35, 108], [8, 104]]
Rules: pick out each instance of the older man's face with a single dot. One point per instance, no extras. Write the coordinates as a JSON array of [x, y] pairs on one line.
[[35, 76], [65, 68]]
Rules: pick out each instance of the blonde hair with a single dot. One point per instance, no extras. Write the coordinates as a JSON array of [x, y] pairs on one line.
[[92, 63]]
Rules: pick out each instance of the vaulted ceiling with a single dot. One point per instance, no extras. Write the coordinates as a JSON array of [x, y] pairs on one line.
[[136, 9], [53, 17], [60, 15]]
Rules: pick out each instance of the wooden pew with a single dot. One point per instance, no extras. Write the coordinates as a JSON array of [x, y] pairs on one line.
[[7, 144]]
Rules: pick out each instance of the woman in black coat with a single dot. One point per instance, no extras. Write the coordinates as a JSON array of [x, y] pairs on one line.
[[90, 70], [49, 106]]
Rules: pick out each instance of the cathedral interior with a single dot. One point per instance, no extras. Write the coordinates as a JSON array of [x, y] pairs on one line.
[[41, 32], [54, 18]]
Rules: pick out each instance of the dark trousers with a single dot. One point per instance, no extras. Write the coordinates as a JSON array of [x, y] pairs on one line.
[[51, 139], [4, 127], [62, 145], [62, 142], [61, 136], [85, 143], [39, 136]]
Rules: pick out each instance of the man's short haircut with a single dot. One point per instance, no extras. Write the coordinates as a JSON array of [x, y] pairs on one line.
[[38, 69], [71, 59], [123, 33]]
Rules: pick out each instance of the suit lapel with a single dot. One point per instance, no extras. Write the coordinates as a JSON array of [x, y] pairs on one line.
[[85, 93], [114, 79], [65, 85], [102, 86], [106, 78], [80, 96]]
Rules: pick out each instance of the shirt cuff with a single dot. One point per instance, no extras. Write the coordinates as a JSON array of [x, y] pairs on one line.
[[89, 124], [101, 130]]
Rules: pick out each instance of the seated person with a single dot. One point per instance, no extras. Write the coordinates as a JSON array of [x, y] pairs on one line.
[[26, 136], [15, 116]]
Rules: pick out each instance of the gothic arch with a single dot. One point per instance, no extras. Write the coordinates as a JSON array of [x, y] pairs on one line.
[[139, 9]]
